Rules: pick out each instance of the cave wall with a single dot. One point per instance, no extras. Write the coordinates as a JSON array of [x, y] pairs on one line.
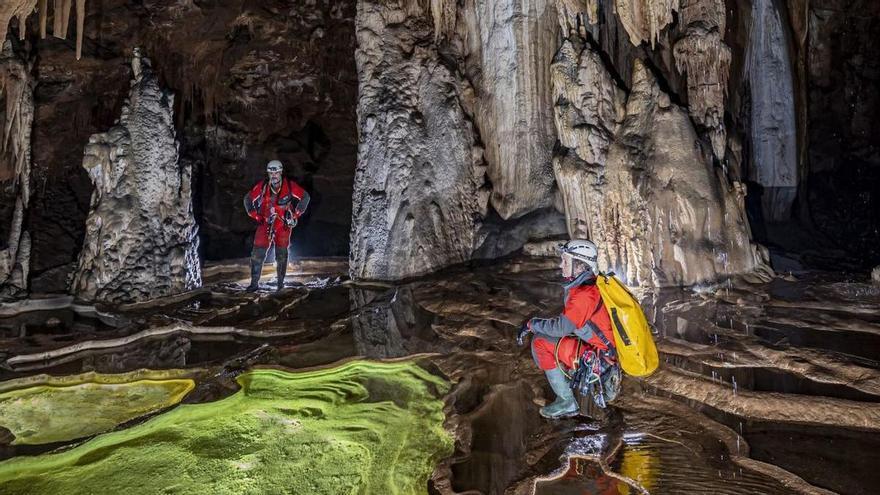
[[644, 83], [16, 123], [843, 77], [253, 81], [537, 90]]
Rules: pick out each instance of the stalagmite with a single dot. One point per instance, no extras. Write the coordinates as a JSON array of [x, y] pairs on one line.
[[417, 194], [668, 217], [773, 131], [16, 86], [703, 56], [645, 19], [141, 237]]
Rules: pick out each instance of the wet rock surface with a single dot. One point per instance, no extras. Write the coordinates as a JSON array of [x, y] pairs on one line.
[[752, 376]]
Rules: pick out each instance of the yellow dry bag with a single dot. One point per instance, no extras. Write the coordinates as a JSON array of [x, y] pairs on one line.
[[632, 334]]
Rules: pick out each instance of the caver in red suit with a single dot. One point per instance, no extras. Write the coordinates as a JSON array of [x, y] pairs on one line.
[[583, 324], [276, 204]]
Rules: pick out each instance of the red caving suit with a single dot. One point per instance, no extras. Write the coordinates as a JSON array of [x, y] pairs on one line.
[[260, 202], [584, 315]]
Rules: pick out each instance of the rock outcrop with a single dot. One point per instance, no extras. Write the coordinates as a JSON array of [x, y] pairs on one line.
[[16, 117], [141, 236], [418, 196], [668, 217]]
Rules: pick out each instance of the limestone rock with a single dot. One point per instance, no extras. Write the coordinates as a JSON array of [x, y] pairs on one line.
[[417, 199], [587, 103], [141, 237], [16, 123], [512, 47], [705, 58], [644, 19], [773, 130], [588, 106], [667, 217]]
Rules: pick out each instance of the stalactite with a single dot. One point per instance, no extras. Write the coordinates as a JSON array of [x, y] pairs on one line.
[[21, 9], [16, 87], [444, 14], [44, 14], [645, 19], [703, 56]]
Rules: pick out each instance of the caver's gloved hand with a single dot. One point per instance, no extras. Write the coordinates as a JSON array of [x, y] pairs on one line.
[[523, 331], [290, 219]]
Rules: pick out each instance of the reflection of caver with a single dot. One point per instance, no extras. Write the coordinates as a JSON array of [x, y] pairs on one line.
[[270, 203]]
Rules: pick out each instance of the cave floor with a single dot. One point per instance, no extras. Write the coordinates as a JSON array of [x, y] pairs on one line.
[[769, 388]]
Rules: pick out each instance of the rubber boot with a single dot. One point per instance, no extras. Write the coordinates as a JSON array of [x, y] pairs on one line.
[[256, 271], [565, 405], [280, 267]]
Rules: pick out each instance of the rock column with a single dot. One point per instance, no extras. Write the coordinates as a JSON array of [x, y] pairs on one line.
[[16, 88], [141, 237]]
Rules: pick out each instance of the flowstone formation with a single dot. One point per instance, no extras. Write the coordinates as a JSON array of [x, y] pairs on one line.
[[619, 85], [632, 169], [16, 122], [141, 236], [508, 48], [418, 195], [773, 131], [359, 428], [669, 216], [47, 409]]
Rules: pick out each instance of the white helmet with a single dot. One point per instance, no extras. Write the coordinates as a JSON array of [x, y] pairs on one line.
[[274, 166], [582, 250]]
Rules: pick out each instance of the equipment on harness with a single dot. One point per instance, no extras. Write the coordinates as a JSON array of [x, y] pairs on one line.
[[523, 331], [634, 343], [271, 226], [596, 374]]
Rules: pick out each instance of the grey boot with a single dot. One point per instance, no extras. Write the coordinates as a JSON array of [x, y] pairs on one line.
[[280, 266], [565, 404]]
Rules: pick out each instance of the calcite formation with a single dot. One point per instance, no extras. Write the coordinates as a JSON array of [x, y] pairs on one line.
[[418, 194], [587, 106], [668, 217], [772, 119], [17, 116], [359, 428], [141, 236], [645, 19], [21, 9], [510, 45], [702, 54], [51, 409]]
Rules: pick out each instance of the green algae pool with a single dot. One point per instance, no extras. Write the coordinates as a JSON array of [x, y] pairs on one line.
[[360, 428], [48, 409]]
